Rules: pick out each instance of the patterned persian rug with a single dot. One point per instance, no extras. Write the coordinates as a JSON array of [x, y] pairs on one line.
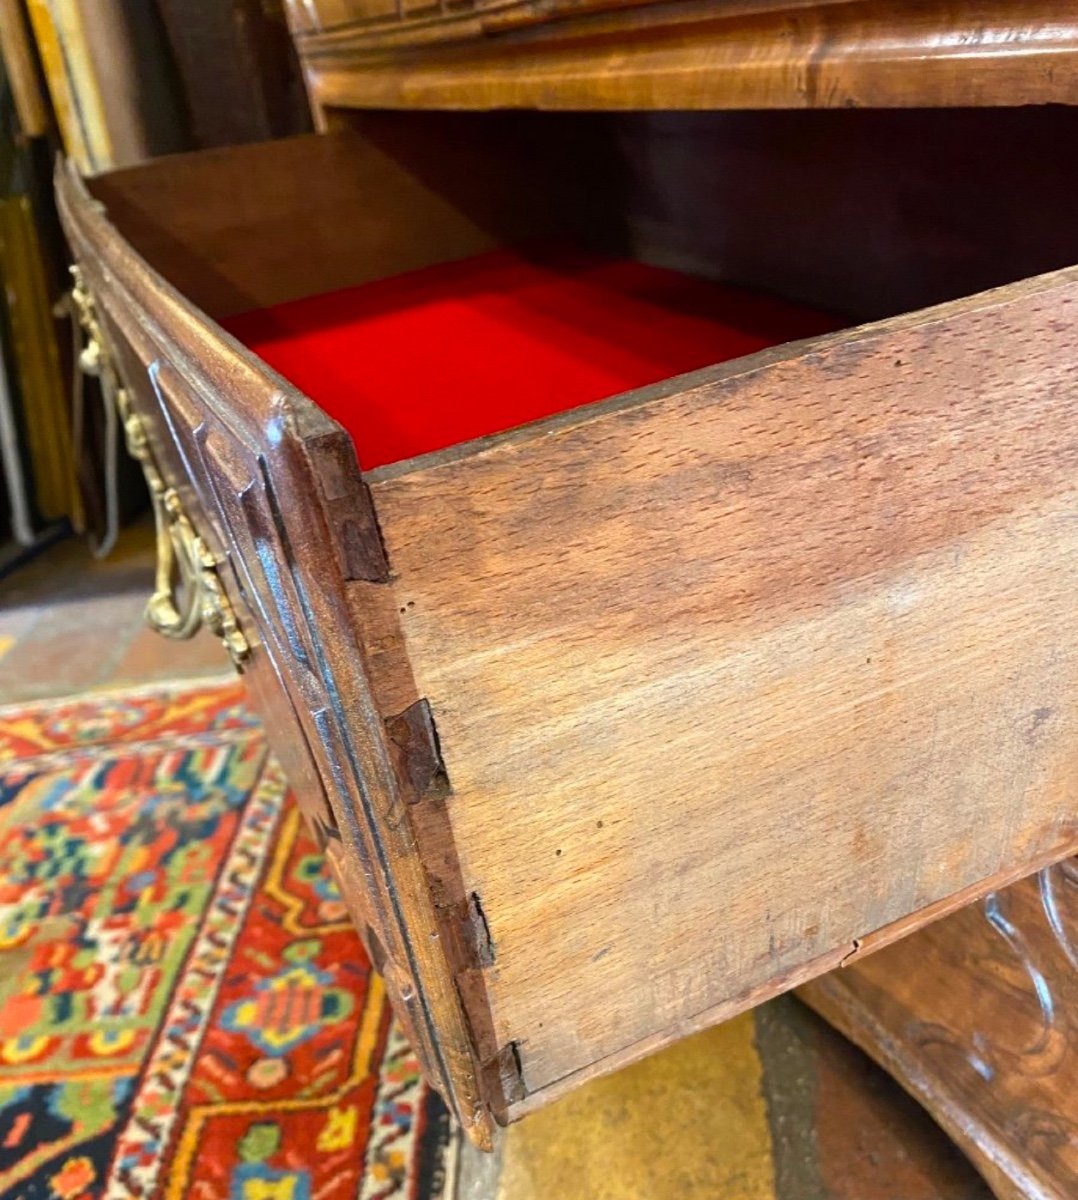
[[185, 1012]]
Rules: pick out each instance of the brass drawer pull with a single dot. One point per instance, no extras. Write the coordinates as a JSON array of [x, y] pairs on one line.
[[187, 590]]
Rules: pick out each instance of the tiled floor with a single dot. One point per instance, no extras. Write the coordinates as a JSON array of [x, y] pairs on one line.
[[771, 1106]]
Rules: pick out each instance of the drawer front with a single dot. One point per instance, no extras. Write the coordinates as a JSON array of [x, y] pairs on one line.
[[269, 519]]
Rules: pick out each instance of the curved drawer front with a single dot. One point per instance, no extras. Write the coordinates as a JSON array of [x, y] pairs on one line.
[[265, 492]]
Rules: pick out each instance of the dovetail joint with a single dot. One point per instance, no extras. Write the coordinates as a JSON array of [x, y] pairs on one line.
[[505, 1074], [413, 743], [479, 932]]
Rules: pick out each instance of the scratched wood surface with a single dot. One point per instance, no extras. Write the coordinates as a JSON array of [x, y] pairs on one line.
[[977, 1017], [728, 677], [739, 54]]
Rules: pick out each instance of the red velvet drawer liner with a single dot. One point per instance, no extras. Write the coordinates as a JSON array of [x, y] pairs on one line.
[[425, 360]]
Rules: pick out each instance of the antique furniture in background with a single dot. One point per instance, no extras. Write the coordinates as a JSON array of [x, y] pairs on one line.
[[622, 701], [698, 54], [977, 1016]]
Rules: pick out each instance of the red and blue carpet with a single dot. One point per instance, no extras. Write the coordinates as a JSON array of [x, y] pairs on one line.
[[185, 1011]]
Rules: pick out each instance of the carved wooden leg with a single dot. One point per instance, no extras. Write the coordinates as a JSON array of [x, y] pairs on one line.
[[977, 1017]]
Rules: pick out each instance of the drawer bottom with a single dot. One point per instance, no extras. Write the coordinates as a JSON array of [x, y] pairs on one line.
[[431, 358]]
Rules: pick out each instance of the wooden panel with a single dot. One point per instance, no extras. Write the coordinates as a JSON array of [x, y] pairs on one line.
[[871, 212], [733, 673], [236, 69], [977, 1017], [253, 226], [702, 55], [305, 16], [274, 489]]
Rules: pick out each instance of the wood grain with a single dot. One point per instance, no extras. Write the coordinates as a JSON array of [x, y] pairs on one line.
[[977, 1016], [729, 675], [770, 54]]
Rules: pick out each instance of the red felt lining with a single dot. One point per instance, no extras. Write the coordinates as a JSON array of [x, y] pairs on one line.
[[435, 357]]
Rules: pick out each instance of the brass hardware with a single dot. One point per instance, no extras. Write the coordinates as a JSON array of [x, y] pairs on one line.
[[187, 589]]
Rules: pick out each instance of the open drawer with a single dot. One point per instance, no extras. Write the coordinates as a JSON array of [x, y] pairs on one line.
[[618, 721]]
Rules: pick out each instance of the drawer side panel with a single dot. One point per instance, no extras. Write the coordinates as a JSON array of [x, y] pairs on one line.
[[731, 676]]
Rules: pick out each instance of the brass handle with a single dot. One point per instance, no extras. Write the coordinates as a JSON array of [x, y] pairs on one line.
[[187, 590], [174, 609]]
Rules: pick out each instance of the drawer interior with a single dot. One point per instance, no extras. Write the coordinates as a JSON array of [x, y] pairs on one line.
[[428, 279], [426, 360]]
